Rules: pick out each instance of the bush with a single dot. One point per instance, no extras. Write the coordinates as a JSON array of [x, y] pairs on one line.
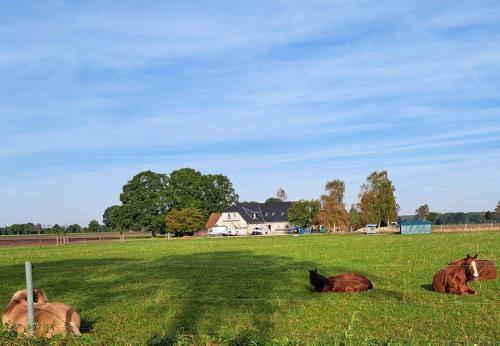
[[9, 337]]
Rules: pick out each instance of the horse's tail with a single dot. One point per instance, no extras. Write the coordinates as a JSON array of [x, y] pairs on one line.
[[370, 285]]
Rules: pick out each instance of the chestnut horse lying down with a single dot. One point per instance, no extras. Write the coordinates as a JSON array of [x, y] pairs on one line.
[[50, 318], [453, 279], [487, 270], [349, 282]]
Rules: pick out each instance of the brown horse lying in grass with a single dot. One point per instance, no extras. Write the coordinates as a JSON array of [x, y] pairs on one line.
[[487, 270], [50, 318], [453, 279], [349, 282]]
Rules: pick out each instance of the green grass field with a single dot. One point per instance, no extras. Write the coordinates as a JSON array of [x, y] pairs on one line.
[[252, 291]]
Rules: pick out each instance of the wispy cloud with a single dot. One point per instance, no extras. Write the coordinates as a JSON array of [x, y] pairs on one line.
[[270, 93]]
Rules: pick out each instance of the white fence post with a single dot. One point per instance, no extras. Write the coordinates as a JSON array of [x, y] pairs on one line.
[[29, 292]]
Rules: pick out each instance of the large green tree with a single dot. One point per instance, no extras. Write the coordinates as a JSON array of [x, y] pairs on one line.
[[145, 201], [219, 193], [303, 213], [184, 221], [149, 196], [497, 209], [185, 189], [378, 189], [188, 188], [112, 217]]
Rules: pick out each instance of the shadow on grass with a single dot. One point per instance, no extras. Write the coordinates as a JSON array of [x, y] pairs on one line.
[[427, 287], [388, 294], [235, 289], [87, 326], [233, 293]]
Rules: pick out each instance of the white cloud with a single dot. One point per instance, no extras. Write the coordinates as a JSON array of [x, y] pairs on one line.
[[370, 83]]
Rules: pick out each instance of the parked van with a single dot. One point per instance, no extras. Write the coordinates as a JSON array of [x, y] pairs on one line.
[[221, 231]]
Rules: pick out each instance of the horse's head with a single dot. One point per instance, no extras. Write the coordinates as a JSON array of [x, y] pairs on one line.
[[19, 295], [39, 296], [313, 271], [471, 267]]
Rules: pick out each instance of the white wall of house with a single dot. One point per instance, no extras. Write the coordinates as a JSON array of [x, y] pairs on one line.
[[234, 222], [279, 227]]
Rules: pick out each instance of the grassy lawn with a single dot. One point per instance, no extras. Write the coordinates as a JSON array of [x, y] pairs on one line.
[[255, 290]]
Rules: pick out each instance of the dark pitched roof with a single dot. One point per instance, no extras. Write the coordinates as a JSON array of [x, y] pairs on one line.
[[261, 212]]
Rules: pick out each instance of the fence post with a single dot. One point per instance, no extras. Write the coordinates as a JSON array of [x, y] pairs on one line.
[[29, 293]]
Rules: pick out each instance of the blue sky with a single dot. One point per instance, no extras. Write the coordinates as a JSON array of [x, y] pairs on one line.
[[270, 93]]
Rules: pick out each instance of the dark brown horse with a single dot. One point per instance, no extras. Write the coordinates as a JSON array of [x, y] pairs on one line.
[[348, 282], [453, 279]]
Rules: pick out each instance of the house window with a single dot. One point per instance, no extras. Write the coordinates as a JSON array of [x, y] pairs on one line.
[[229, 216], [273, 213], [267, 213], [255, 215], [282, 213]]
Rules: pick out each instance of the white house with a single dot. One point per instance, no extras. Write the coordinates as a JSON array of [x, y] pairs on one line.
[[242, 218]]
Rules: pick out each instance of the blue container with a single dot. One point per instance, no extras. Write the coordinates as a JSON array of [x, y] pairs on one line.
[[415, 227]]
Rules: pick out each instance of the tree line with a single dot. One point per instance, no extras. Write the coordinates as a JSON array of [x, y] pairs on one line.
[[32, 228], [376, 204], [423, 213]]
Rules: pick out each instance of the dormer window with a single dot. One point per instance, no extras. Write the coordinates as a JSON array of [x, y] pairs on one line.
[[273, 213], [255, 215]]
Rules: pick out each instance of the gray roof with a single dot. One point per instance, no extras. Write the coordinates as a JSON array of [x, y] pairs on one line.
[[261, 212]]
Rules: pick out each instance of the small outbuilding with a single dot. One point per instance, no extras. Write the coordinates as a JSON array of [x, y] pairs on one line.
[[415, 227]]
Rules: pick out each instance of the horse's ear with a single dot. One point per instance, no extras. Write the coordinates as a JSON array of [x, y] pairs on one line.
[[475, 257], [468, 256]]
